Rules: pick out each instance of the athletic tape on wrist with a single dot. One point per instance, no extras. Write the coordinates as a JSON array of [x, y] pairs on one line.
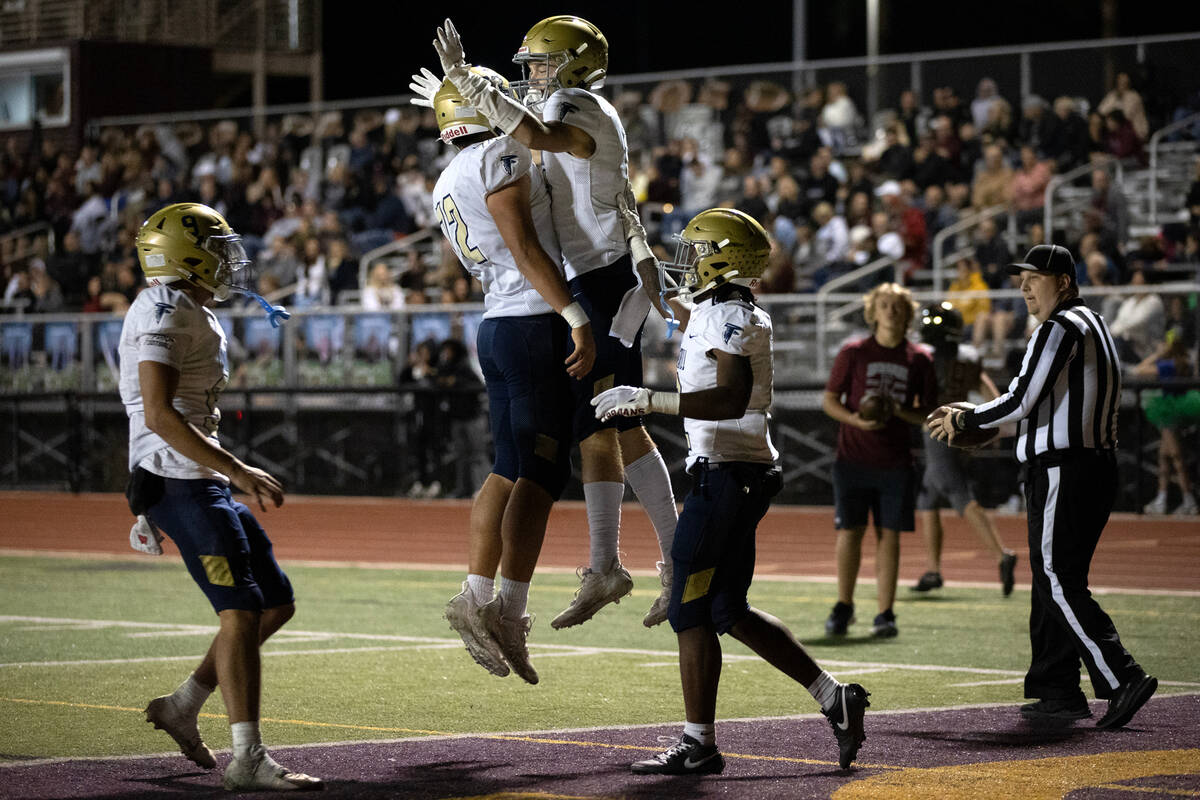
[[664, 402], [575, 316]]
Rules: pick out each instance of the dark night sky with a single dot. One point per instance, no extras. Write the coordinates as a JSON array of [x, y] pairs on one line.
[[372, 48]]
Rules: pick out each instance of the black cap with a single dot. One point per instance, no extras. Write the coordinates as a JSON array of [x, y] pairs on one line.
[[1046, 258]]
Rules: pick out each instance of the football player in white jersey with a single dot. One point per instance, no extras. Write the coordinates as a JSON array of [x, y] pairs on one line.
[[725, 387], [586, 161], [173, 368], [494, 210]]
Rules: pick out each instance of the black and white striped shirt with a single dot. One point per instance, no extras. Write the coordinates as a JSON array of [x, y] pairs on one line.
[[1068, 390]]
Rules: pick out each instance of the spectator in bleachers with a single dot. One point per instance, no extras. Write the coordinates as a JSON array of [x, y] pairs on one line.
[[342, 269], [1027, 190], [1038, 126], [1121, 140], [382, 292], [1107, 207], [1124, 98], [1140, 322], [831, 241], [1097, 136], [930, 167], [839, 120], [992, 254], [1097, 266], [1000, 125], [939, 215], [698, 181], [1068, 145], [946, 103], [818, 185], [909, 223], [896, 160], [913, 116], [987, 96], [968, 279], [992, 184], [1170, 411]]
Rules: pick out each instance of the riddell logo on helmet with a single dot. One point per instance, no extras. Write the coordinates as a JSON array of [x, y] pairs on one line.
[[454, 133]]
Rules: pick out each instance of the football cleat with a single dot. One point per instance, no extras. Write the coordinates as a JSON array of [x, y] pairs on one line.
[[462, 612], [846, 718], [261, 772], [165, 715], [597, 590], [685, 757]]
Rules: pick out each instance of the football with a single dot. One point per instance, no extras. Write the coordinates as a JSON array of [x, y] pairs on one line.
[[875, 408], [967, 440]]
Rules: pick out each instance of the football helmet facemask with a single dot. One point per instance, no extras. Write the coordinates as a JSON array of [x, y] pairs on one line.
[[455, 117], [194, 243], [941, 325], [720, 245], [574, 52]]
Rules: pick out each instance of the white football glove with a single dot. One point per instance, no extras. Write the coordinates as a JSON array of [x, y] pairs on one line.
[[448, 45], [145, 538], [633, 401], [425, 86], [621, 401]]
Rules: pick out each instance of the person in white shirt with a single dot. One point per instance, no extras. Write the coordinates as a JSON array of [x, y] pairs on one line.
[[585, 160], [173, 368], [725, 380], [494, 210]]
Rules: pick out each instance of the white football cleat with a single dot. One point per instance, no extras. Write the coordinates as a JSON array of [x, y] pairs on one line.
[[511, 635], [261, 772], [166, 715], [462, 612], [658, 610], [597, 590]]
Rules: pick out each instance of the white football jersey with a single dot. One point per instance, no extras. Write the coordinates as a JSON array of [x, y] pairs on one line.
[[741, 328], [585, 189], [168, 326], [460, 205]]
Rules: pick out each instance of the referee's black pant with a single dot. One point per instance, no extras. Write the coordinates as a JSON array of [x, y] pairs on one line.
[[1069, 496]]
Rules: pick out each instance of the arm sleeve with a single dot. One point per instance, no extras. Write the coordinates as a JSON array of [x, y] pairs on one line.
[[1048, 354], [505, 162]]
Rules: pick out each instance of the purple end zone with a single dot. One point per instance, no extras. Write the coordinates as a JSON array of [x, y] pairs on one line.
[[579, 765]]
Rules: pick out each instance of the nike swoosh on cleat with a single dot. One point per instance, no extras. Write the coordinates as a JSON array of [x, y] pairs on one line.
[[845, 723], [689, 764]]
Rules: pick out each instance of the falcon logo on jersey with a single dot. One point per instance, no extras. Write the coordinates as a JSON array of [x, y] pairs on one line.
[[161, 309], [566, 108], [509, 163], [730, 331]]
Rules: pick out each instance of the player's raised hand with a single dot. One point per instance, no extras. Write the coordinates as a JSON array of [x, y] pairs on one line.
[[257, 483], [448, 45], [424, 85], [580, 362]]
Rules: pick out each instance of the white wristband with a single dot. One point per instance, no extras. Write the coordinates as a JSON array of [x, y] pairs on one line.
[[664, 402], [575, 316]]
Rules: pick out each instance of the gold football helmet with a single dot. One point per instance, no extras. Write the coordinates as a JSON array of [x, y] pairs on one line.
[[192, 242], [720, 245], [455, 117], [574, 52]]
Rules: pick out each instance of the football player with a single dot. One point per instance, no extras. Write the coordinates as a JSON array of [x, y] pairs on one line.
[[586, 161], [173, 368], [725, 390], [494, 209], [945, 479]]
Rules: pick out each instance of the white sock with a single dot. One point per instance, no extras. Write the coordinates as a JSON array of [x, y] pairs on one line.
[[703, 732], [824, 690], [191, 694], [651, 482], [481, 588], [245, 738], [514, 598], [604, 521]]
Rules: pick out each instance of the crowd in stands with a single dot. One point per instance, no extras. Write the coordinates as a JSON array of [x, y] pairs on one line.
[[836, 192]]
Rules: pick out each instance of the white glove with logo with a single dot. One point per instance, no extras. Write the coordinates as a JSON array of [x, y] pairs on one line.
[[145, 538], [633, 401], [425, 86], [501, 110]]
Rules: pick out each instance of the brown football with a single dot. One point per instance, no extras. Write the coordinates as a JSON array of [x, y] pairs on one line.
[[967, 440], [875, 408]]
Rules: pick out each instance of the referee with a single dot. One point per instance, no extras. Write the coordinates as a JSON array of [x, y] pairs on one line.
[[1064, 402]]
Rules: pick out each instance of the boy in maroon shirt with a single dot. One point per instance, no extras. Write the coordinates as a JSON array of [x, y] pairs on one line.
[[874, 470]]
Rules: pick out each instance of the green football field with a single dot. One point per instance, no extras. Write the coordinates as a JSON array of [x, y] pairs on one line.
[[84, 644]]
